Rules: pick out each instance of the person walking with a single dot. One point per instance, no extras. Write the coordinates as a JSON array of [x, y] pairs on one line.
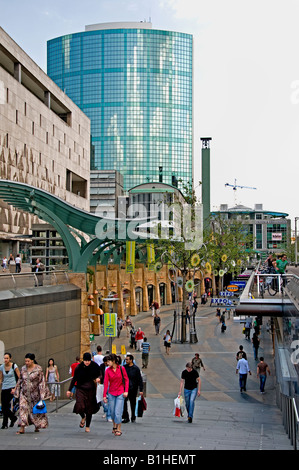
[[52, 377], [139, 339], [255, 343], [146, 347], [191, 383], [98, 358], [157, 323], [4, 264], [106, 408], [195, 306], [241, 353], [187, 314], [128, 325], [155, 308], [116, 388], [86, 376], [18, 262], [135, 382], [243, 370], [167, 341], [38, 270], [72, 372], [281, 266], [197, 363], [30, 389], [133, 343], [119, 326], [261, 372], [248, 326], [9, 375]]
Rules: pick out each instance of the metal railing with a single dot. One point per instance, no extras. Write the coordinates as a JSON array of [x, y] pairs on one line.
[[286, 387], [60, 390], [262, 276], [290, 417], [32, 279]]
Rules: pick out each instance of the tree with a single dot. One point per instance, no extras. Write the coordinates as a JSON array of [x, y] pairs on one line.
[[228, 246]]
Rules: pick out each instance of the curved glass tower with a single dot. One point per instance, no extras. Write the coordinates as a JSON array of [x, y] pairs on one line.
[[135, 85]]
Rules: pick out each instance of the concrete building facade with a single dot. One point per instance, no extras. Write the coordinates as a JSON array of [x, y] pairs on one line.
[[271, 230], [44, 141]]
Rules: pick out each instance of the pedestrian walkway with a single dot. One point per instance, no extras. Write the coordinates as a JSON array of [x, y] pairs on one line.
[[224, 418]]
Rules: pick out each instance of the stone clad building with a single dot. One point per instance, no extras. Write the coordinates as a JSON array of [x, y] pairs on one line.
[[44, 141]]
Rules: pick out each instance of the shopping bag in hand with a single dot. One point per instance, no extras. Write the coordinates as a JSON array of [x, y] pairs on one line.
[[177, 407]]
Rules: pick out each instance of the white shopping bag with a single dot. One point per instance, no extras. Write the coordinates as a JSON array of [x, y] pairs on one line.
[[177, 407], [100, 389]]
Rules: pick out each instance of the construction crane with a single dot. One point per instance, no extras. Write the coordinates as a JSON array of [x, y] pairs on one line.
[[235, 186]]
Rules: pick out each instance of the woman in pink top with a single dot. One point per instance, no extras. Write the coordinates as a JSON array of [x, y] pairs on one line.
[[116, 387]]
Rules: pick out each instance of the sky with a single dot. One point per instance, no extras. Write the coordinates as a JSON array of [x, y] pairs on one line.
[[246, 82]]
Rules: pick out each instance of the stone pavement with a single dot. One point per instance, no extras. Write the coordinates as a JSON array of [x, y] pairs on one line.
[[224, 418]]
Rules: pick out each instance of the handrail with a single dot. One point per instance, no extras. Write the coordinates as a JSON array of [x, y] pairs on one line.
[[290, 418], [17, 278], [295, 409], [56, 385]]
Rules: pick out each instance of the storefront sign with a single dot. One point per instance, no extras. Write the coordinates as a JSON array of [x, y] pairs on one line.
[[240, 284], [232, 288], [224, 293], [223, 302]]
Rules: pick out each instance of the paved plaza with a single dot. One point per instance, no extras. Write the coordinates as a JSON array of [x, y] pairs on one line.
[[224, 418]]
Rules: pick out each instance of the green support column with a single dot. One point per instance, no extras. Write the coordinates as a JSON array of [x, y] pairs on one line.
[[205, 177]]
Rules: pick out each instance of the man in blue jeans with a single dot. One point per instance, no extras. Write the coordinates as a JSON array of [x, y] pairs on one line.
[[191, 382], [262, 369], [243, 370]]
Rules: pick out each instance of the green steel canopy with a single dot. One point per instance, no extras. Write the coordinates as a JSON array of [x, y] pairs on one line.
[[67, 220]]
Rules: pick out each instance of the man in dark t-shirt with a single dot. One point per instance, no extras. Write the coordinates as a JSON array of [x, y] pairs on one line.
[[262, 369], [191, 382]]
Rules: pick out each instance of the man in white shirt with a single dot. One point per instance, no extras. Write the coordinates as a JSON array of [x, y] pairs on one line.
[[243, 369], [248, 326], [98, 358], [18, 263]]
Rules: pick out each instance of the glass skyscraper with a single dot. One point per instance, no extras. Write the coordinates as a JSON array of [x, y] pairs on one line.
[[135, 85]]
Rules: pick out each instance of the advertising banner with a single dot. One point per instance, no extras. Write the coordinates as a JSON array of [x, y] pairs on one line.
[[130, 257], [110, 324], [151, 257]]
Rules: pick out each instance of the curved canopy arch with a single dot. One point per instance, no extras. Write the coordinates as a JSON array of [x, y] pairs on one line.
[[67, 220]]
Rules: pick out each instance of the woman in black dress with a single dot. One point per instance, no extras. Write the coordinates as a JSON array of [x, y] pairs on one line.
[[86, 377]]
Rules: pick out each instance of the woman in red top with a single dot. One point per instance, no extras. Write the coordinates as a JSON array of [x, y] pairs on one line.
[[116, 387]]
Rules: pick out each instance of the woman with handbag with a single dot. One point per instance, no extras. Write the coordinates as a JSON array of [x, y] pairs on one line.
[[116, 380], [86, 377], [30, 389], [9, 375]]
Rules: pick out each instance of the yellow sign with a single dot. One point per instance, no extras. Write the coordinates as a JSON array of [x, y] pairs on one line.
[[151, 257], [130, 257], [110, 324], [123, 349], [113, 349]]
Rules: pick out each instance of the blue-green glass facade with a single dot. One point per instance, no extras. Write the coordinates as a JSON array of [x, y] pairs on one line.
[[135, 85]]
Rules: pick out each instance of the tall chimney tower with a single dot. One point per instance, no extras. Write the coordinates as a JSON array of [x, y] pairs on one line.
[[205, 177]]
